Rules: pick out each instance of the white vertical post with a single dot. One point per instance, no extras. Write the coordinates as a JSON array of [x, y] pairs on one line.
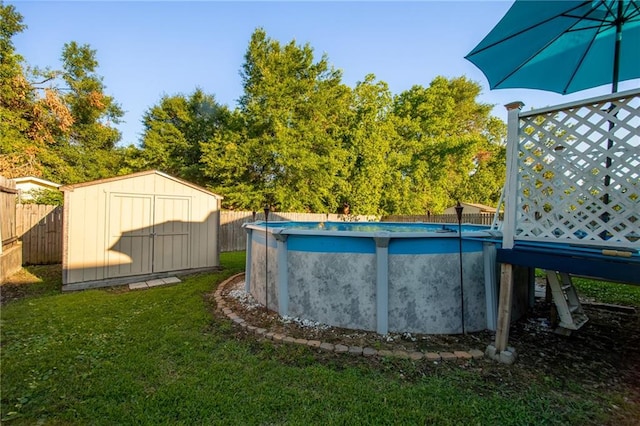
[[511, 181], [382, 282], [283, 274], [490, 281], [247, 268]]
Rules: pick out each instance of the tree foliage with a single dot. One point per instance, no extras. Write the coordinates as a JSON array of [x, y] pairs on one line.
[[174, 131], [57, 124], [446, 136], [92, 138], [29, 122], [293, 110], [44, 196], [369, 141]]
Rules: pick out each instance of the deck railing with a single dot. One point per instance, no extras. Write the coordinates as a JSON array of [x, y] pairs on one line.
[[573, 173]]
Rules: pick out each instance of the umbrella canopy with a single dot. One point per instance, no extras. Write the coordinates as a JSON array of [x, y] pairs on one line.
[[562, 46]]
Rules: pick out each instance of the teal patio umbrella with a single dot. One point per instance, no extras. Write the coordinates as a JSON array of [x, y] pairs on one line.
[[562, 46]]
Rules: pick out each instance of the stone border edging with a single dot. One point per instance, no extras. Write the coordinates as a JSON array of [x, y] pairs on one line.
[[337, 348]]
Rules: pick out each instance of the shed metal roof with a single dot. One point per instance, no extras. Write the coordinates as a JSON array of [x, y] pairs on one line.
[[70, 188]]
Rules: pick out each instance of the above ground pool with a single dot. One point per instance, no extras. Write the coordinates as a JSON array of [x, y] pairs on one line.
[[376, 276]]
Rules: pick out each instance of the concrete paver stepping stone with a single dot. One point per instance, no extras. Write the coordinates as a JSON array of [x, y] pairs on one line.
[[155, 283], [138, 286]]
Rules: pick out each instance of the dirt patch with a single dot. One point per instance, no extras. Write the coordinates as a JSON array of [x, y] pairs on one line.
[[31, 281]]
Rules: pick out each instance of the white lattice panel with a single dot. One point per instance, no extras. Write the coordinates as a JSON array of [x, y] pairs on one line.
[[579, 174]]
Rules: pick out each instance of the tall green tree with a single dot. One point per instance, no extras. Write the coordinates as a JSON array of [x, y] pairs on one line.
[[90, 147], [294, 113], [484, 183], [228, 165], [447, 137], [176, 128], [32, 117], [372, 133], [16, 101]]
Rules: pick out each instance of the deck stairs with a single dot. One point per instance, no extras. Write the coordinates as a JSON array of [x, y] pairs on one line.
[[568, 306]]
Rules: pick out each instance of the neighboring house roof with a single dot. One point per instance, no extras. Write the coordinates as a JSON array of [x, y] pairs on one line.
[[133, 175], [481, 207], [22, 182]]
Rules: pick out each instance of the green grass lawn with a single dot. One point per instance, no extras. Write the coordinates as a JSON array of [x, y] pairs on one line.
[[605, 292], [159, 356]]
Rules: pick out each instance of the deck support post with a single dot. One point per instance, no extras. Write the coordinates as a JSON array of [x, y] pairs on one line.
[[504, 307], [500, 351]]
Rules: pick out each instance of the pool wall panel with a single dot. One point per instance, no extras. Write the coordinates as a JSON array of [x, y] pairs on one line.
[[337, 289], [425, 297], [262, 260]]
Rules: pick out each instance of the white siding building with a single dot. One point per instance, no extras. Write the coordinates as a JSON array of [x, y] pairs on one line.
[[28, 185]]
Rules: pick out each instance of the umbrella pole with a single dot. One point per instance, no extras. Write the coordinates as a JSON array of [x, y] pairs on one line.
[[614, 89], [607, 177], [616, 50]]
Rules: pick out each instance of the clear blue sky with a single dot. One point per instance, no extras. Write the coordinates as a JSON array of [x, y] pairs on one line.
[[149, 48]]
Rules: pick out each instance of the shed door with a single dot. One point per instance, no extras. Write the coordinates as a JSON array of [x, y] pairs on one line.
[[171, 233], [148, 234], [130, 228]]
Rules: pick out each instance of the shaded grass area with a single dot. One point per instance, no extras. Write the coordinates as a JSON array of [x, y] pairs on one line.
[[159, 356], [32, 281], [607, 292], [604, 291]]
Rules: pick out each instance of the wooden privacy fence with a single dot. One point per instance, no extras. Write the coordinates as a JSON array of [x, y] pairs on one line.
[[8, 212], [10, 248], [233, 237], [471, 218], [40, 228]]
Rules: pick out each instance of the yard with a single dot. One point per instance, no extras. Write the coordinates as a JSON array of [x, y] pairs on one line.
[[166, 356]]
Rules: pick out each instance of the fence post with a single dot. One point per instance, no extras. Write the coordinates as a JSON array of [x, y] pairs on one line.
[[10, 249]]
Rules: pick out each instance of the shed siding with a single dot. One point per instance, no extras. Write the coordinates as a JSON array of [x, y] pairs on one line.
[[110, 223], [172, 230], [206, 218]]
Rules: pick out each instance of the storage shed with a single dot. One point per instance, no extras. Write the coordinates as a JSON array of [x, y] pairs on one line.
[[136, 227]]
